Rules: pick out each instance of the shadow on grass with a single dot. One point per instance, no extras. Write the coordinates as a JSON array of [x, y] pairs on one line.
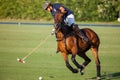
[[108, 76]]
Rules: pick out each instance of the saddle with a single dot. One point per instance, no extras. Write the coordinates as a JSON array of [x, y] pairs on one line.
[[68, 31]]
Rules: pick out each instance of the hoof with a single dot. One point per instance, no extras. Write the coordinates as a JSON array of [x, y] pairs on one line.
[[57, 51], [98, 78], [82, 70], [75, 71]]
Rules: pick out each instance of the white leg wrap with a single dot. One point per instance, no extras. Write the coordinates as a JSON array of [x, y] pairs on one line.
[[98, 78]]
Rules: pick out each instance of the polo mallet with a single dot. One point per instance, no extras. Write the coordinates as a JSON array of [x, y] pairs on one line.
[[33, 50]]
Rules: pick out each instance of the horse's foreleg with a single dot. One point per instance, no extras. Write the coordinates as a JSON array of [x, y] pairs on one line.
[[65, 56], [98, 68], [71, 68], [74, 52], [77, 64], [87, 60]]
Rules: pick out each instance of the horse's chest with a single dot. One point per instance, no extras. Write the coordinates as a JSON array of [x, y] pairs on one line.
[[62, 46]]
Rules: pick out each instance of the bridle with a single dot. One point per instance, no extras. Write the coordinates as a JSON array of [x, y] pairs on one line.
[[57, 29], [58, 23]]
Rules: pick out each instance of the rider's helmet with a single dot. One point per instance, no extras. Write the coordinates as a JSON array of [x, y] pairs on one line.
[[46, 5]]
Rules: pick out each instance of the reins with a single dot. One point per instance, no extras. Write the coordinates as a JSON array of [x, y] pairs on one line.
[[56, 32]]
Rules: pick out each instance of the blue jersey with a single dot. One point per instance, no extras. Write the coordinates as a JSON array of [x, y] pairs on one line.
[[56, 8]]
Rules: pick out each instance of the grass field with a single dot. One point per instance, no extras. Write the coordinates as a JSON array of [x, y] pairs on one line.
[[16, 41]]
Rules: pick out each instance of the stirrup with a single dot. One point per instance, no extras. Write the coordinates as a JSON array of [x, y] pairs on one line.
[[85, 38], [81, 35]]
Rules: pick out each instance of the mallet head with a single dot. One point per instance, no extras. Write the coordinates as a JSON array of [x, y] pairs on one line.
[[20, 60]]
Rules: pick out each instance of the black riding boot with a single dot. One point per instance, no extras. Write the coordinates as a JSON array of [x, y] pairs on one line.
[[79, 32]]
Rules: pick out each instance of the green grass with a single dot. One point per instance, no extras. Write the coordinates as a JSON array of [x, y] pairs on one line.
[[17, 41]]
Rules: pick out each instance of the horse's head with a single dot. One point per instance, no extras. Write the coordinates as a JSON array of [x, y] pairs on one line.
[[58, 20], [59, 24], [58, 17]]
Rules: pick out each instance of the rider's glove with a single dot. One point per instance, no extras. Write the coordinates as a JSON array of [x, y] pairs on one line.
[[53, 31]]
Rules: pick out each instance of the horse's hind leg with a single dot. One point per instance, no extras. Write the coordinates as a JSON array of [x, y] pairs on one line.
[[95, 53]]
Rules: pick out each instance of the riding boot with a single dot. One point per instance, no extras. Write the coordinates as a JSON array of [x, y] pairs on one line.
[[79, 32]]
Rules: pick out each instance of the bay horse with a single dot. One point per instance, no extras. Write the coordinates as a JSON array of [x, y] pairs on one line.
[[69, 43]]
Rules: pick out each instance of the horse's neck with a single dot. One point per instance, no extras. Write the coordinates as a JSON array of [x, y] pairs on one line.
[[63, 32], [59, 35], [66, 29]]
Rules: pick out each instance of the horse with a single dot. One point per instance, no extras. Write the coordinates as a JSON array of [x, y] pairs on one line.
[[69, 43]]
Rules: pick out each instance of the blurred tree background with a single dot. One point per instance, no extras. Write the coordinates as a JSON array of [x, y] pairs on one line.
[[84, 10]]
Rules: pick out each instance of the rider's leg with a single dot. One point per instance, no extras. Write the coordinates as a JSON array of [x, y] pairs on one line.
[[79, 32], [70, 22]]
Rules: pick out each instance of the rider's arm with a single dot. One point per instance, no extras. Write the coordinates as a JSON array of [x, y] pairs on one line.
[[62, 9]]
